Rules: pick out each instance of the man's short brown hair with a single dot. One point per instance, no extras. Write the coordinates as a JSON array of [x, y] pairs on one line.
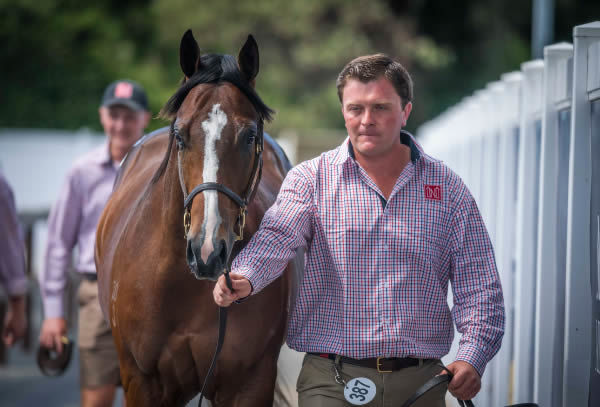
[[371, 67]]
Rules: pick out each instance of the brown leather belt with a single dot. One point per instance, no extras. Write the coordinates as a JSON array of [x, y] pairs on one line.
[[90, 276], [382, 365]]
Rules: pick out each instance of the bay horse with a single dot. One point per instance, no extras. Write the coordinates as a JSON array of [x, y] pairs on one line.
[[156, 275]]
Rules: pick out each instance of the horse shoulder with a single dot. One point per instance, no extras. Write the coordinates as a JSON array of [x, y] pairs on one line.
[[132, 181]]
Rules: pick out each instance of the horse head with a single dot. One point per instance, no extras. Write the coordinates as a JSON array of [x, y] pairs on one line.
[[217, 126]]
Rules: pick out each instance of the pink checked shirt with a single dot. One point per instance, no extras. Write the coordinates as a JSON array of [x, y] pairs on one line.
[[376, 279]]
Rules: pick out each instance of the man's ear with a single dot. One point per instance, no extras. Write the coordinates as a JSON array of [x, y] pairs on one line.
[[407, 110], [101, 113], [147, 117]]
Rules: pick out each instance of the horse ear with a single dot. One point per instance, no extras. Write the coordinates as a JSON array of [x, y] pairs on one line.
[[248, 59], [189, 54]]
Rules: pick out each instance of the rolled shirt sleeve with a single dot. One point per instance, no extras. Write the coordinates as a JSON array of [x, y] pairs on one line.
[[478, 309], [63, 225], [12, 250], [285, 228]]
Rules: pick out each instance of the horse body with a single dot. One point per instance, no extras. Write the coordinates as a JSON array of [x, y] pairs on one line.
[[163, 317]]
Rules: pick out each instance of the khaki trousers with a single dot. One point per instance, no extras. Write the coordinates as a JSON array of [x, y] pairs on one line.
[[98, 359], [317, 386]]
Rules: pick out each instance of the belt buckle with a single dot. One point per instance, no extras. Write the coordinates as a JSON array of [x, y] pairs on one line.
[[379, 366]]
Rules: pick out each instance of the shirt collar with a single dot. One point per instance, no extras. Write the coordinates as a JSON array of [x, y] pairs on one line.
[[342, 153], [101, 155], [346, 152], [416, 151]]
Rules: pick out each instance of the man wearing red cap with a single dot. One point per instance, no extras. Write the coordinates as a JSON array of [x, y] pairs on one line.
[[72, 223]]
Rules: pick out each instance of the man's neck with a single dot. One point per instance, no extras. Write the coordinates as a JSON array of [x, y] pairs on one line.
[[392, 162], [385, 170], [117, 155]]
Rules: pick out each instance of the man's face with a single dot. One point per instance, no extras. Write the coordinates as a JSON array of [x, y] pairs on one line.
[[374, 116], [122, 125]]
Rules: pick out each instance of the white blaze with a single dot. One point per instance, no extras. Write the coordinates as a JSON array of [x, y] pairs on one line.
[[213, 126]]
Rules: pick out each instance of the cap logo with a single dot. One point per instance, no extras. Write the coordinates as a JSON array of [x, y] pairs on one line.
[[123, 90], [433, 192]]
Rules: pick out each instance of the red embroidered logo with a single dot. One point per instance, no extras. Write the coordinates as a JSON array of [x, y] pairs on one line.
[[433, 192], [123, 90]]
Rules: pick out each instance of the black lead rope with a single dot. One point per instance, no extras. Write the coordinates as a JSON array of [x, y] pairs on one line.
[[220, 339], [446, 378], [430, 384]]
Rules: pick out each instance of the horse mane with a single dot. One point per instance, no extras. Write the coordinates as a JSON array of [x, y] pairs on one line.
[[215, 69]]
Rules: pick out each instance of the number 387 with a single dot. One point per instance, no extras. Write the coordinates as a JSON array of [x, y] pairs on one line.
[[359, 390]]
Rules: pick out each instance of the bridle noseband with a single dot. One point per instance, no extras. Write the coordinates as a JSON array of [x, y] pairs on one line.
[[242, 203]]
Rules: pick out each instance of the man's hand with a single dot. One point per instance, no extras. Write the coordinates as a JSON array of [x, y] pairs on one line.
[[223, 295], [15, 322], [53, 329], [466, 382]]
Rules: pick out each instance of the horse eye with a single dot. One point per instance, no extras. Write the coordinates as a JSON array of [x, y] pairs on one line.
[[180, 143], [250, 136]]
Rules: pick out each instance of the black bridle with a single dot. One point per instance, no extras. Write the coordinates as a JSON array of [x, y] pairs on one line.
[[242, 203]]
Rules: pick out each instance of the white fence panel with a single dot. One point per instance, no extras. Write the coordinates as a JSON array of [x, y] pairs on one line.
[[526, 233], [578, 314], [552, 220], [506, 225]]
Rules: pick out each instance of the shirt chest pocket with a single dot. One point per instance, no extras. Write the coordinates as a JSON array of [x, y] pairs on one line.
[[419, 234], [431, 223]]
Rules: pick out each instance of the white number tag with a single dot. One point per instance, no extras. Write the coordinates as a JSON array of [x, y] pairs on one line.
[[359, 391]]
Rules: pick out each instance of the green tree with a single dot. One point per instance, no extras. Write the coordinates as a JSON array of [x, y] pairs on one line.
[[57, 56]]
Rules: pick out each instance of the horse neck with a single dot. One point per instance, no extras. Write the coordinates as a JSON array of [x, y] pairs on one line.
[[171, 196]]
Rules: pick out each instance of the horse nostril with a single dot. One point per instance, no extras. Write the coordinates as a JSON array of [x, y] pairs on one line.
[[191, 258], [223, 252]]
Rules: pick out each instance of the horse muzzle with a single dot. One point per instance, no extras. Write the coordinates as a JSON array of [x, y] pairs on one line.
[[215, 263]]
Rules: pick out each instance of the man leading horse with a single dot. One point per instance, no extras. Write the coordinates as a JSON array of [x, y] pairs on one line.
[[386, 228]]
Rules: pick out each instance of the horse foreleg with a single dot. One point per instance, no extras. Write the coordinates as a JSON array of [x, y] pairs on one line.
[[256, 391], [142, 391]]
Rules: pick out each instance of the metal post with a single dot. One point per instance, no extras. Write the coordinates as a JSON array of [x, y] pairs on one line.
[[542, 26]]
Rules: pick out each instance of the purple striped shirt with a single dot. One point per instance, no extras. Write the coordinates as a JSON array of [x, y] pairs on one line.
[[376, 276], [72, 222], [12, 250]]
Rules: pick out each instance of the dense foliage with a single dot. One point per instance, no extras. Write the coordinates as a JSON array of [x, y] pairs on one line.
[[58, 55]]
